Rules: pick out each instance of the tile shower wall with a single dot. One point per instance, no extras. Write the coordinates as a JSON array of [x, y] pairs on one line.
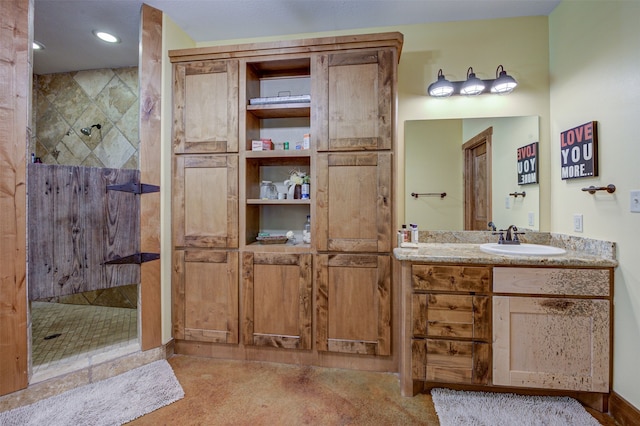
[[67, 102], [63, 104]]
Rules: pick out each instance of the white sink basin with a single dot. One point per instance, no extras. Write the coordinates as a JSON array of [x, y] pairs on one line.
[[521, 249]]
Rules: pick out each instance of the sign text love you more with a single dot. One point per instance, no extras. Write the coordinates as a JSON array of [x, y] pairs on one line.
[[579, 151]]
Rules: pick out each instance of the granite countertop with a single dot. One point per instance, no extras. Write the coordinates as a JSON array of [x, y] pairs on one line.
[[452, 248]]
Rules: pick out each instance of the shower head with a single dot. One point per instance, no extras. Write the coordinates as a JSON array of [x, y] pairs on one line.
[[87, 130]]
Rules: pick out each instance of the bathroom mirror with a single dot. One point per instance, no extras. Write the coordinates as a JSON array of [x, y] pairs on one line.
[[434, 164]]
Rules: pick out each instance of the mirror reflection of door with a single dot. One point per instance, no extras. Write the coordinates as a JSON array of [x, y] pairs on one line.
[[477, 181]]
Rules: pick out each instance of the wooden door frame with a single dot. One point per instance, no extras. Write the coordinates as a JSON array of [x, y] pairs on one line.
[[483, 137], [17, 18]]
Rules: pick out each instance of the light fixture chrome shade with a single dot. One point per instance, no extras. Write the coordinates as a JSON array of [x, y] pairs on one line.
[[87, 130], [441, 88], [503, 83], [473, 86]]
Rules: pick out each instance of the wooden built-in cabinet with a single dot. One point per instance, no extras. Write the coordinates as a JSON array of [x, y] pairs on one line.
[[524, 328], [319, 302]]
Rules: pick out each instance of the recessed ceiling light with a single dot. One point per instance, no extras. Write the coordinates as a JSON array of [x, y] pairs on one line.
[[37, 45], [109, 38]]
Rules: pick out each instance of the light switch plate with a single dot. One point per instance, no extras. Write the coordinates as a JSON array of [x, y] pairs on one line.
[[507, 202], [577, 222], [634, 202], [531, 219]]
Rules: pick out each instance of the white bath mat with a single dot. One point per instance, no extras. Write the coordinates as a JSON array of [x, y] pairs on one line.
[[112, 401], [455, 408]]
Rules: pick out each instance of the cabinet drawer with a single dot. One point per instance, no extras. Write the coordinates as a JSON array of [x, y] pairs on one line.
[[451, 315], [451, 278], [451, 361], [556, 281]]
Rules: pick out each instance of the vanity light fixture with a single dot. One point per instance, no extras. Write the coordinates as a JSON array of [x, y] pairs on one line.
[[472, 86], [104, 36]]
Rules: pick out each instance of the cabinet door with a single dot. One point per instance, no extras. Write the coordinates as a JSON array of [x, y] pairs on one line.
[[354, 304], [353, 206], [451, 315], [205, 296], [205, 208], [451, 361], [277, 300], [355, 95], [551, 343], [205, 111]]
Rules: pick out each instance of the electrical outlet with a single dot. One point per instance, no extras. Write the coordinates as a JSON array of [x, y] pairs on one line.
[[531, 219], [635, 201], [507, 202], [577, 222]]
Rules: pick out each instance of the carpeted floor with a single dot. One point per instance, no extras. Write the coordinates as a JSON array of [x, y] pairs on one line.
[[219, 392]]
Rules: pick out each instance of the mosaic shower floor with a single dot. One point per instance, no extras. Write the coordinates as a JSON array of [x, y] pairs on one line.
[[66, 337]]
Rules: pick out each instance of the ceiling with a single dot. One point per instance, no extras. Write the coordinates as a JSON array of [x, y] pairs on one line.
[[65, 26]]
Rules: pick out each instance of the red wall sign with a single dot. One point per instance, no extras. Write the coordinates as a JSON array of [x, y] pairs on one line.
[[579, 151]]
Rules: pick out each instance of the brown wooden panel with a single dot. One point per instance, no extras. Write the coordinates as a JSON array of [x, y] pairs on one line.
[[355, 207], [210, 297], [206, 107], [555, 281], [354, 303], [150, 74], [205, 211], [15, 84], [85, 224], [451, 278], [481, 363], [320, 96], [360, 101], [449, 361], [418, 359], [277, 299]]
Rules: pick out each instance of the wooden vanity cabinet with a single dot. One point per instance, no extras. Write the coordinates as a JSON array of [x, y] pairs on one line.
[[552, 328], [451, 324], [277, 290]]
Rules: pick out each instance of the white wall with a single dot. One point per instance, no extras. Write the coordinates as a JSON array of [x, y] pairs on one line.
[[435, 161], [595, 76], [173, 37]]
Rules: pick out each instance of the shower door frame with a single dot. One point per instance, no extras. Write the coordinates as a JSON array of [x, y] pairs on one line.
[[13, 138]]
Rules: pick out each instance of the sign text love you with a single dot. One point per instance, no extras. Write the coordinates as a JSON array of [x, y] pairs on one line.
[[579, 151]]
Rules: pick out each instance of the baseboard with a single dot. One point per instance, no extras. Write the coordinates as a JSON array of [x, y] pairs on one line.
[[622, 411]]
